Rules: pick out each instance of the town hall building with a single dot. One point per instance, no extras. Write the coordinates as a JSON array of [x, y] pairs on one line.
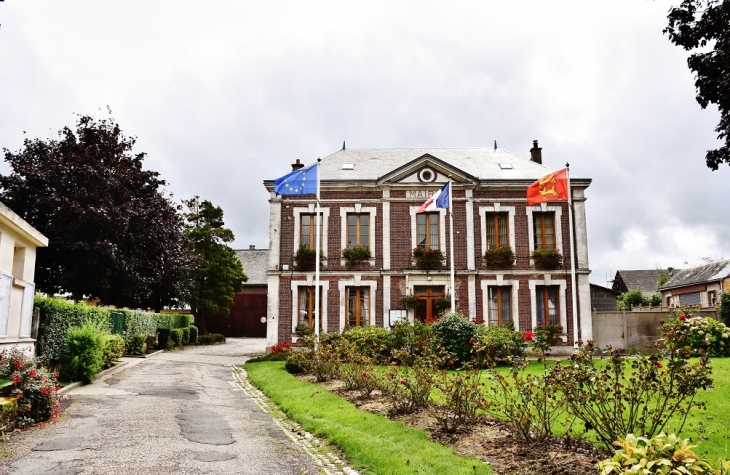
[[369, 198]]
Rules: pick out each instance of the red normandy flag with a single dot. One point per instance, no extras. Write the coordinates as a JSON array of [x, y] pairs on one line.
[[549, 188]]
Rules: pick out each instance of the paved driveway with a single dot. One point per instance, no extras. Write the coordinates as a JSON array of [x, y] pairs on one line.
[[182, 412]]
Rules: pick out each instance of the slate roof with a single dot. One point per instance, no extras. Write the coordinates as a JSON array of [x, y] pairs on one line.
[[479, 163], [644, 280], [254, 263], [711, 272]]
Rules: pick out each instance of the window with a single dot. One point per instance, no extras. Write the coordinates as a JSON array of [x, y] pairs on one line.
[[306, 306], [688, 300], [669, 301], [427, 230], [497, 228], [308, 228], [358, 306], [358, 229], [500, 311], [543, 227], [712, 298], [548, 305]]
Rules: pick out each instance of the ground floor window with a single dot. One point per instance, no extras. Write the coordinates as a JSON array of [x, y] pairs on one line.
[[357, 306], [500, 308], [548, 304], [306, 306]]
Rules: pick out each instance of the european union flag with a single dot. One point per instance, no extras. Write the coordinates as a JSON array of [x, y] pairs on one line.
[[298, 182]]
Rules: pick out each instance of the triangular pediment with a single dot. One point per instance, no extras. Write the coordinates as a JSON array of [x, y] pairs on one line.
[[426, 170]]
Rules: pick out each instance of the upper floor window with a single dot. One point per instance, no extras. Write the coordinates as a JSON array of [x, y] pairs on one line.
[[497, 229], [427, 230], [357, 307], [308, 229], [500, 311], [543, 226], [358, 229], [548, 304]]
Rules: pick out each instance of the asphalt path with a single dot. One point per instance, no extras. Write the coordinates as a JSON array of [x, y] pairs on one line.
[[182, 412]]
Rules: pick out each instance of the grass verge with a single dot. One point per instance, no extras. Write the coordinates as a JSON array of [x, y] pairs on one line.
[[372, 443]]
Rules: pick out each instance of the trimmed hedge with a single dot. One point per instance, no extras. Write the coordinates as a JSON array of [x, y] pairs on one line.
[[138, 322], [136, 344], [185, 335], [169, 321], [57, 316], [176, 337], [211, 338], [193, 334]]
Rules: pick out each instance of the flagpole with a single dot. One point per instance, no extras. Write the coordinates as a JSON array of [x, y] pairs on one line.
[[451, 245], [576, 333], [316, 265]]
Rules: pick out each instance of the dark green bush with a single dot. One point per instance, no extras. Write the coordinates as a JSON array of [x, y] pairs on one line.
[[185, 335], [456, 334], [370, 340], [163, 336], [498, 344], [57, 316], [176, 337], [193, 334], [113, 349], [211, 338], [84, 355], [295, 363], [136, 344]]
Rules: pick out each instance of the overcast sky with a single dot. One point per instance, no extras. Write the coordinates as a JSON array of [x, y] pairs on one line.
[[224, 94]]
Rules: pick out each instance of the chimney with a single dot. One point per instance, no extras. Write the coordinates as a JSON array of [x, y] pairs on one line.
[[536, 153], [297, 166], [251, 247]]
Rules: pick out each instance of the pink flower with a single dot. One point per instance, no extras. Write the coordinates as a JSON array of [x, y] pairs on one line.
[[528, 336]]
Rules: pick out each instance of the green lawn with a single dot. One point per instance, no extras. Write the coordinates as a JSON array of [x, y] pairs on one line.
[[372, 443]]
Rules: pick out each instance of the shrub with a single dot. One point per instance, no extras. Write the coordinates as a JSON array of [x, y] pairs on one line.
[[542, 339], [151, 341], [113, 349], [211, 339], [615, 400], [176, 337], [138, 322], [694, 335], [163, 336], [185, 332], [462, 399], [456, 335], [356, 369], [84, 355], [498, 344], [547, 258], [527, 402], [34, 388], [636, 298], [136, 344], [659, 454], [370, 340], [296, 363], [169, 321], [407, 389], [724, 310], [193, 334], [356, 254], [406, 342], [281, 347], [499, 257], [57, 316], [427, 258]]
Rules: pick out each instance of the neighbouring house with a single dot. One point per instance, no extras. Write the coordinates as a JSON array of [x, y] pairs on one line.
[[18, 244], [248, 313], [644, 280], [369, 198], [603, 299], [699, 286]]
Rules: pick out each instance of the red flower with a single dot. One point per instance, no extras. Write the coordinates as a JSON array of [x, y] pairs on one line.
[[472, 340], [528, 336], [32, 373], [364, 375], [659, 365], [403, 381], [682, 316]]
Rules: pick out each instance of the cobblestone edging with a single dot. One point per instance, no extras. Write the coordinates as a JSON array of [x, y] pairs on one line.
[[330, 463]]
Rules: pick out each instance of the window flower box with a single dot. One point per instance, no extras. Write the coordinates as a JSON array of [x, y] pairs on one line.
[[409, 301], [356, 254], [304, 259], [427, 259], [547, 258], [499, 258]]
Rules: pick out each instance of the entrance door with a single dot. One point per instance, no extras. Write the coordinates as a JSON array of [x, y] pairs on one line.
[[427, 295]]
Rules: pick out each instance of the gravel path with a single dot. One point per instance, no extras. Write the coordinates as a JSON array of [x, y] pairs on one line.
[[184, 412]]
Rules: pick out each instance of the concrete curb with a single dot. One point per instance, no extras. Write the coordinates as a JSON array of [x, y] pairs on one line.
[[145, 356]]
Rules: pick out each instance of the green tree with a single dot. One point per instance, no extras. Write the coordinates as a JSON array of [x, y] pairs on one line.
[[704, 26], [218, 274], [724, 311], [113, 232], [634, 298]]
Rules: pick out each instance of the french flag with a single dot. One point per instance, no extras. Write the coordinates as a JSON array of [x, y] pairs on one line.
[[440, 199]]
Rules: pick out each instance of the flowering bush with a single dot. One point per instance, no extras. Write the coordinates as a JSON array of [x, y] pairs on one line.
[[462, 399], [427, 258], [34, 387], [407, 389], [543, 337], [690, 335], [498, 344], [281, 347]]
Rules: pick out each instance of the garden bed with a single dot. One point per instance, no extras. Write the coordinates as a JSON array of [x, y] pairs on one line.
[[488, 440]]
